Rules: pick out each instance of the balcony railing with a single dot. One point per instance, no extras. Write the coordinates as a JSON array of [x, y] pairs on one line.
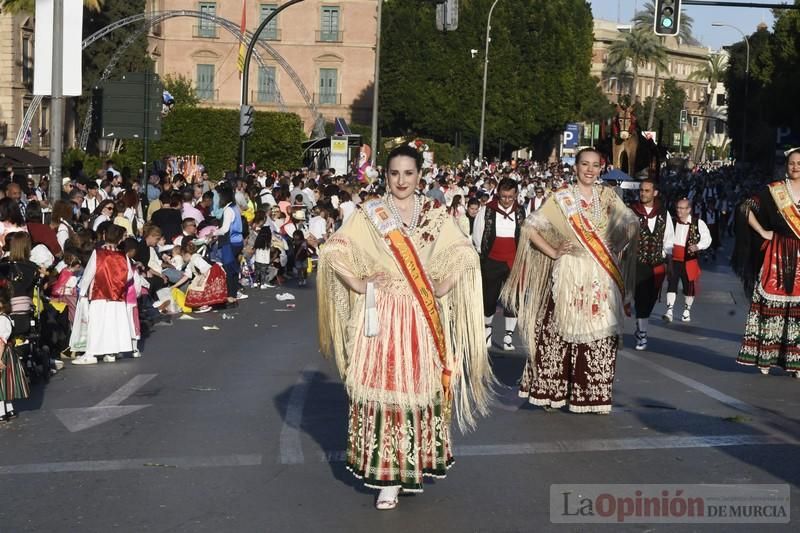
[[207, 95], [205, 31], [264, 97], [329, 36], [328, 98], [270, 35]]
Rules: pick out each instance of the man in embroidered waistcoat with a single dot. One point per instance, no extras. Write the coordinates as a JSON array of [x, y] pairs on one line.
[[691, 237], [105, 283], [656, 233], [495, 235]]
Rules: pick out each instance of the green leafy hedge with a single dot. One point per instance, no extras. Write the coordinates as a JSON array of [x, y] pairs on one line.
[[213, 134]]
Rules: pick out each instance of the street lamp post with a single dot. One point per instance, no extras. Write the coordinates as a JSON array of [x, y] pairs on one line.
[[485, 73], [746, 82], [246, 73]]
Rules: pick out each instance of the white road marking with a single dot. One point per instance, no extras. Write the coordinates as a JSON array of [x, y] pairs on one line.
[[80, 418], [596, 445], [291, 448], [133, 464], [711, 392]]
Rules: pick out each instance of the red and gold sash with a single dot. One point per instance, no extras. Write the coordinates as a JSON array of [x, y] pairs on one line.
[[403, 250], [786, 206], [588, 237]]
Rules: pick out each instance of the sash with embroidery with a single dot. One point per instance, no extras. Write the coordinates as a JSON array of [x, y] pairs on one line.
[[588, 237], [406, 256], [786, 206]]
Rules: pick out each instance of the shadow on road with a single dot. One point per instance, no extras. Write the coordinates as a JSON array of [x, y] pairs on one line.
[[324, 419], [764, 457]]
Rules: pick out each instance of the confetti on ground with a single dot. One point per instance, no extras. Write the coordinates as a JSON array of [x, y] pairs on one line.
[[207, 328]]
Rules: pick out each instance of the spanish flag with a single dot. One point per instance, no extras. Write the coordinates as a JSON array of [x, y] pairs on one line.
[[242, 48]]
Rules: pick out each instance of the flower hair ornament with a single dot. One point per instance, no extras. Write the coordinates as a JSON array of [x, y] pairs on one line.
[[787, 153]]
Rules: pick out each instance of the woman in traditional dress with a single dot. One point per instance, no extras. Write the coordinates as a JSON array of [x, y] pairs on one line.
[[772, 330], [569, 288], [399, 292], [207, 287]]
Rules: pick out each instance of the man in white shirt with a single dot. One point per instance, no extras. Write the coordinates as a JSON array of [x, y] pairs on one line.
[[495, 234], [691, 237], [656, 235]]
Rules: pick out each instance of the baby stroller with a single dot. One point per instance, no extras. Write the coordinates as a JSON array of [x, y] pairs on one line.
[[26, 336]]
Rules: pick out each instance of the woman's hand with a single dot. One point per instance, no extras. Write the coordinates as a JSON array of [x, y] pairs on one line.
[[565, 248], [441, 288], [767, 235], [446, 386]]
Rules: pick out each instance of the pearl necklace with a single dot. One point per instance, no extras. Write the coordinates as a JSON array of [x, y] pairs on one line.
[[791, 192], [409, 229], [594, 216]]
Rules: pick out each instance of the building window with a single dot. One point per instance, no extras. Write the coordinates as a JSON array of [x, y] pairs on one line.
[[721, 100], [328, 78], [205, 82], [329, 25], [719, 127], [207, 29], [270, 33], [27, 62], [267, 89]]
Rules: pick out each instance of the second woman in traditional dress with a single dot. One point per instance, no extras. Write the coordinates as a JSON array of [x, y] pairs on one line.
[[399, 292], [569, 286], [772, 331]]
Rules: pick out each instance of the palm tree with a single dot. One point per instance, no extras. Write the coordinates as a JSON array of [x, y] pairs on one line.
[[639, 47], [16, 6], [712, 72], [645, 19]]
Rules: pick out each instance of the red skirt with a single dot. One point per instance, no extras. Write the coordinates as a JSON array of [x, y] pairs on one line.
[[214, 291]]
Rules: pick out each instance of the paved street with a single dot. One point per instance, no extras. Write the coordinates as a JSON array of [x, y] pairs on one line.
[[242, 429]]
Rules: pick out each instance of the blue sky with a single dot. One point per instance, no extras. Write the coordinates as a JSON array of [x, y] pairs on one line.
[[745, 18]]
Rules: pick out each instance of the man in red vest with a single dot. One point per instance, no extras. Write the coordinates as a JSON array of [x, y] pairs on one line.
[[691, 237]]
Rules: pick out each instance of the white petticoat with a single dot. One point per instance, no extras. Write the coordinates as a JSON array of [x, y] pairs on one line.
[[109, 330]]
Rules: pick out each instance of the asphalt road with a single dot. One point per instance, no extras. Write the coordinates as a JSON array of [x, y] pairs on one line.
[[241, 428]]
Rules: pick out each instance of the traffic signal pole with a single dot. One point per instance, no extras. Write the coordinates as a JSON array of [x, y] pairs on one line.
[[57, 104], [246, 74]]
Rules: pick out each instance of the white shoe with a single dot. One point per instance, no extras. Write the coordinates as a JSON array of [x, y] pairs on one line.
[[668, 315], [283, 297], [85, 360], [686, 316], [58, 364], [641, 341], [109, 359], [764, 371], [387, 498], [507, 342], [203, 309], [137, 354], [795, 374], [241, 296]]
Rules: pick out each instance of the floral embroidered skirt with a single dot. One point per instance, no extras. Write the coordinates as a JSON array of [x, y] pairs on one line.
[[771, 334], [389, 446], [580, 375]]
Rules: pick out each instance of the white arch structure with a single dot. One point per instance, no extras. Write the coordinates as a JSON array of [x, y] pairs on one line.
[[151, 19]]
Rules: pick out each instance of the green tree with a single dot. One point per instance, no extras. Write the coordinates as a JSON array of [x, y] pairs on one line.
[[540, 58], [182, 89], [645, 20], [668, 110], [636, 49], [213, 135], [711, 73]]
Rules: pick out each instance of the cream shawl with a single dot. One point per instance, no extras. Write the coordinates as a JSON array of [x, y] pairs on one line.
[[382, 368]]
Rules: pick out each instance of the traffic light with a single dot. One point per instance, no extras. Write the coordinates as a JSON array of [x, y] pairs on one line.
[[667, 17], [246, 120], [684, 116]]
